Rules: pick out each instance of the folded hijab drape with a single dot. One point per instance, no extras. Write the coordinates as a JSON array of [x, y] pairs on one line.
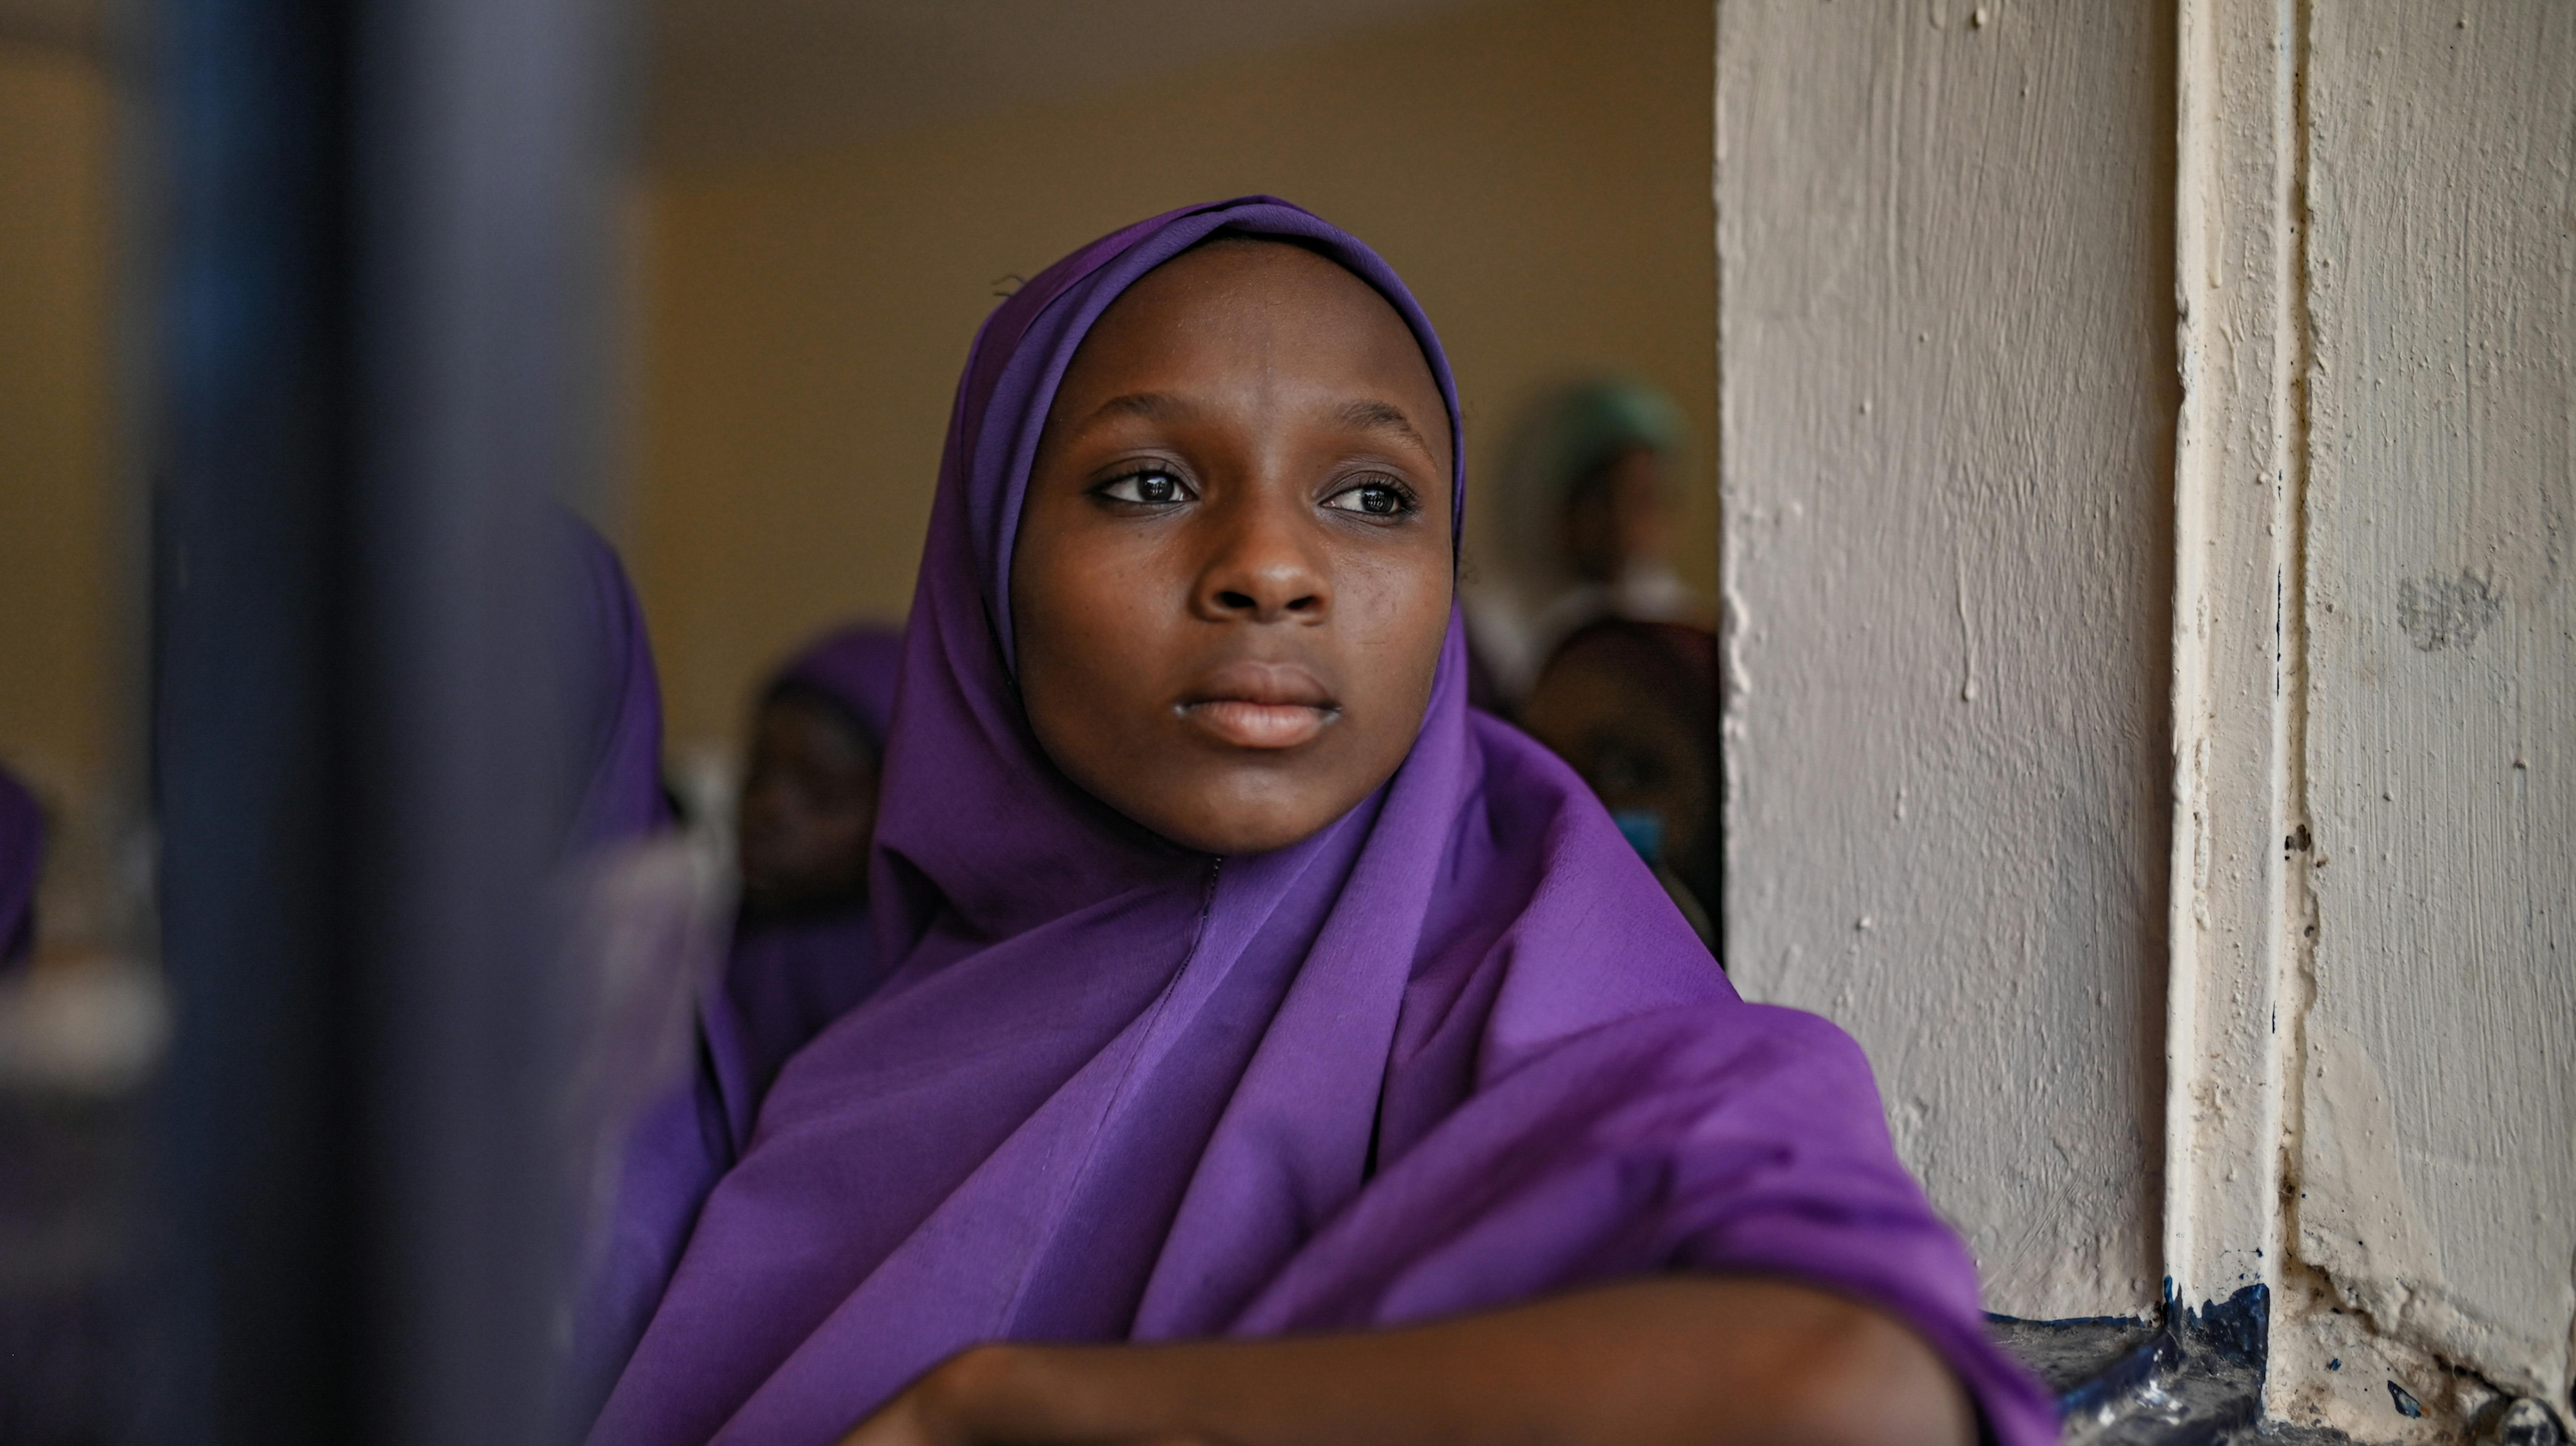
[[1456, 1050]]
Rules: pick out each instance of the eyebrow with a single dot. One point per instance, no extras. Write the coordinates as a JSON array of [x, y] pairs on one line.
[[1377, 416], [1367, 414], [1152, 406]]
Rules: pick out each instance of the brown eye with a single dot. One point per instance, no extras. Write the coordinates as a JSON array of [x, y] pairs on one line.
[[1373, 499], [1151, 488]]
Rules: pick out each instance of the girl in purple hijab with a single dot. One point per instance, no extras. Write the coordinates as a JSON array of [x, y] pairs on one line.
[[804, 952], [1271, 1049]]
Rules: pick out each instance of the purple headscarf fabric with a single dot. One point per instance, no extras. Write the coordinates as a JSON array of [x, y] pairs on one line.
[[854, 666], [618, 701], [22, 859], [1456, 1050]]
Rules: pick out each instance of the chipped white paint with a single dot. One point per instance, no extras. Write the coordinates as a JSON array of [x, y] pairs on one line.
[[2437, 1163], [2372, 1004], [2238, 901], [1948, 406], [2357, 1221]]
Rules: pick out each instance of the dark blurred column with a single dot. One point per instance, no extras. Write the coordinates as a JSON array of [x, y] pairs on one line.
[[381, 228]]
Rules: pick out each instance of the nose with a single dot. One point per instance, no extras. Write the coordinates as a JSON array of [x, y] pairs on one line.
[[1262, 563]]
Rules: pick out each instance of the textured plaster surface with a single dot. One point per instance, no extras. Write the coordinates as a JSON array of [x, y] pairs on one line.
[[2435, 1155], [2239, 902], [1947, 410]]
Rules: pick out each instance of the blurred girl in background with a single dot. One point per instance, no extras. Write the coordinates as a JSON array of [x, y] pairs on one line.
[[800, 953], [1586, 523]]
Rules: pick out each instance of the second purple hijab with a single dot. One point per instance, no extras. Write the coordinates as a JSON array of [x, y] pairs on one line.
[[1455, 1051], [781, 983], [786, 980], [22, 862], [617, 713]]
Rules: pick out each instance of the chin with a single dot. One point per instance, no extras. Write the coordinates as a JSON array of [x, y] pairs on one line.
[[1249, 826]]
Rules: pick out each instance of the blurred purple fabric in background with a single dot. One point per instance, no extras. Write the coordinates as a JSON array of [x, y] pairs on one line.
[[1456, 1050], [617, 709], [788, 979], [22, 859]]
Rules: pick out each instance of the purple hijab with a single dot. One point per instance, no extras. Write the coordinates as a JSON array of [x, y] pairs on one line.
[[785, 981], [855, 667], [22, 859], [617, 700], [1456, 1050]]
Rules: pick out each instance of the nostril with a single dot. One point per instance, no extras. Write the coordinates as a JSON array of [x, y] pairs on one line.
[[1234, 600], [1308, 603]]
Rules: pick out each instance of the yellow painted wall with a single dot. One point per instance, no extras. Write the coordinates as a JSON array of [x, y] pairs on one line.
[[1539, 173], [60, 647]]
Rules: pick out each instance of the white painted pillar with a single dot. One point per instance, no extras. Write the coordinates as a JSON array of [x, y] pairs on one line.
[[2373, 1031], [2433, 1113], [1947, 412], [2330, 1051]]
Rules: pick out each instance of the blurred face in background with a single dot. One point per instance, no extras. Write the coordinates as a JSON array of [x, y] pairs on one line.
[[1614, 517], [1641, 732], [809, 807]]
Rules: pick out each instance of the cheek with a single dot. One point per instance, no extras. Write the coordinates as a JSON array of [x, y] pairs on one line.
[[1087, 610], [844, 838], [772, 809], [1397, 611]]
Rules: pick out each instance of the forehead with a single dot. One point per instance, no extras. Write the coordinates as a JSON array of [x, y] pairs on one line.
[[1239, 281], [1240, 309], [801, 715]]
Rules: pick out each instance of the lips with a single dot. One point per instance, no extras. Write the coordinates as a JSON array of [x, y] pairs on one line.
[[1260, 705]]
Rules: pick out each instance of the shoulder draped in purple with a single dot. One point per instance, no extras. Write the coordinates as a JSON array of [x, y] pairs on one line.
[[1454, 1051], [22, 858]]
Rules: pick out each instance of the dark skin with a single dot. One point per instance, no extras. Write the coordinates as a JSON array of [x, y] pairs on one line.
[[1233, 572], [808, 808], [1135, 618]]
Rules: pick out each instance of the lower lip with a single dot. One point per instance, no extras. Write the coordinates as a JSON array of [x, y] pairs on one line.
[[1259, 725]]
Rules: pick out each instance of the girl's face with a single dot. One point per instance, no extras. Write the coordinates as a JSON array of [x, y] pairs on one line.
[[808, 808], [1233, 572]]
